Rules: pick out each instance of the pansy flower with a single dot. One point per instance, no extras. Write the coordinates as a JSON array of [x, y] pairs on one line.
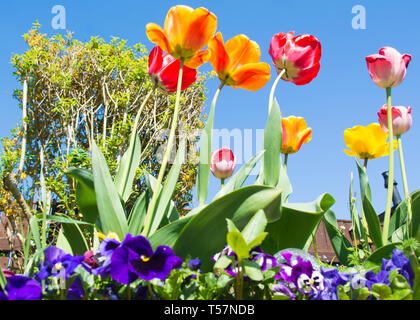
[[58, 264], [135, 258], [22, 288]]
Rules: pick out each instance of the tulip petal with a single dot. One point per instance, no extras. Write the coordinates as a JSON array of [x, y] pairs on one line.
[[202, 27], [177, 23], [252, 76], [156, 35], [219, 58], [242, 50], [198, 59]]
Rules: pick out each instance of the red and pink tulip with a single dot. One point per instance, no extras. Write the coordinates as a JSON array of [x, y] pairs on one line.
[[388, 68], [222, 163], [298, 56], [164, 71], [401, 119]]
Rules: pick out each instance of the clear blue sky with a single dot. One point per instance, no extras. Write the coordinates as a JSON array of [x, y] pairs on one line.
[[341, 97]]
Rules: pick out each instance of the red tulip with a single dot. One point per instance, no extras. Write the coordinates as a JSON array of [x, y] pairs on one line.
[[401, 119], [299, 56], [164, 71], [387, 69], [222, 163]]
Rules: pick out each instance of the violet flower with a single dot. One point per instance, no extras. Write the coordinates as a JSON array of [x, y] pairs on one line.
[[22, 288], [76, 290], [135, 258], [58, 264], [401, 263]]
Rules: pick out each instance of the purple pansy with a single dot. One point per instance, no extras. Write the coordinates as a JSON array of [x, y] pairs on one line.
[[332, 279], [100, 263], [58, 264], [22, 288], [194, 264], [135, 258], [282, 289], [401, 263], [76, 290]]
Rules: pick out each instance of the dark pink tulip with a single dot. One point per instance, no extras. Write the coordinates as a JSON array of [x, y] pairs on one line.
[[164, 71], [222, 163], [387, 69], [401, 119], [299, 56]]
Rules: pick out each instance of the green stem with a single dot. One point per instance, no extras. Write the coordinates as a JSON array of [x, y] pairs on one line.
[[385, 230], [365, 165], [286, 156], [222, 182], [406, 192], [151, 208], [239, 281], [273, 88]]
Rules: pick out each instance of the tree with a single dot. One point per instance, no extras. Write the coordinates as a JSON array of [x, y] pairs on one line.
[[75, 93]]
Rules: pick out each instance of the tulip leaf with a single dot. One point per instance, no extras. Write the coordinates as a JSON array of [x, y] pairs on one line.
[[127, 168], [340, 243], [355, 218], [167, 191], [373, 223], [85, 194], [364, 183], [237, 180], [297, 223], [138, 214], [75, 238], [205, 233], [272, 146], [203, 176], [374, 261], [111, 212], [255, 227]]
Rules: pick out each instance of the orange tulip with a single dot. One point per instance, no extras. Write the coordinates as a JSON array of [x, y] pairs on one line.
[[237, 62], [186, 31], [295, 133]]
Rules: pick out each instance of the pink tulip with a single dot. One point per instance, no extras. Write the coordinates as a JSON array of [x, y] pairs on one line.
[[401, 119], [387, 69], [299, 56], [222, 163]]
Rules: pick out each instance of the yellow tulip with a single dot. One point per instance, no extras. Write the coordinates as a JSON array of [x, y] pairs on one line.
[[367, 142]]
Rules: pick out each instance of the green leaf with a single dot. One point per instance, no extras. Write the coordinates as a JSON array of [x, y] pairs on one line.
[[168, 189], [252, 270], [374, 261], [75, 238], [341, 293], [137, 215], [339, 242], [33, 222], [272, 146], [85, 194], [203, 176], [381, 291], [111, 212], [130, 161], [169, 234], [416, 286], [255, 227], [237, 243], [231, 226], [62, 243], [223, 262], [355, 218], [296, 224], [237, 180], [258, 240], [373, 223], [3, 280], [364, 183], [401, 290], [205, 233]]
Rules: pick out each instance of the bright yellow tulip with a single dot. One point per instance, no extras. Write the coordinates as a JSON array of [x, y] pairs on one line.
[[367, 142]]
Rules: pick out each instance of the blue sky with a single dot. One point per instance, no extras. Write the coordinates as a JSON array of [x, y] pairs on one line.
[[341, 96]]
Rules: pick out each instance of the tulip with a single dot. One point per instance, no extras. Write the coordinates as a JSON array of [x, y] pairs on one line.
[[387, 69], [401, 119], [164, 70], [367, 142], [295, 133], [222, 163], [186, 31], [296, 58], [237, 63]]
